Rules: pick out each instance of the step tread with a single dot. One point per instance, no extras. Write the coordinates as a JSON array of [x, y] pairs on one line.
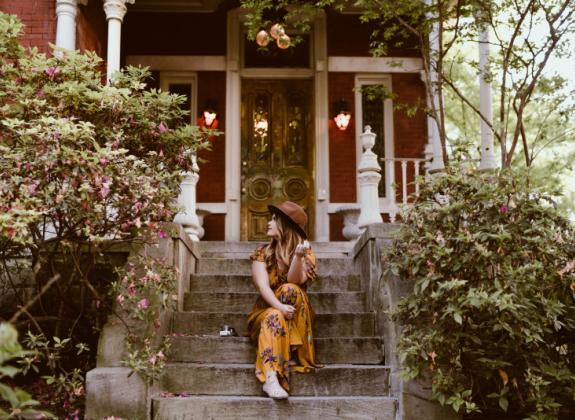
[[251, 407], [341, 324], [239, 379], [212, 348]]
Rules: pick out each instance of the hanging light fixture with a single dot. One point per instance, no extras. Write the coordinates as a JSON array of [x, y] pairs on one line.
[[342, 115], [209, 118]]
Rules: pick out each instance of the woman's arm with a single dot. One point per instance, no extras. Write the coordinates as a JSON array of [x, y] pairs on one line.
[[298, 268], [261, 280]]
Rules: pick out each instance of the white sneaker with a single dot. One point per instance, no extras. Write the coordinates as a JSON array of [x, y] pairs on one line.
[[273, 388]]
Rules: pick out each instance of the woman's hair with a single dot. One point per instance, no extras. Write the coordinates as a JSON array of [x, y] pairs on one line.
[[284, 247]]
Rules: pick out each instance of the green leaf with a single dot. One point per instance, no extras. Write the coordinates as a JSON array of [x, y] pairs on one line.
[[457, 318], [503, 403]]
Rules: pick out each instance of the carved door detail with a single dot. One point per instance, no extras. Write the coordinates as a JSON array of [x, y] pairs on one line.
[[277, 150]]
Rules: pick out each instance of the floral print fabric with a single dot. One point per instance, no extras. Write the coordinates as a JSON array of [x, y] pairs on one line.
[[279, 340]]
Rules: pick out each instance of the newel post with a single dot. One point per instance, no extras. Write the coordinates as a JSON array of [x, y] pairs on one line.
[[369, 177], [187, 217]]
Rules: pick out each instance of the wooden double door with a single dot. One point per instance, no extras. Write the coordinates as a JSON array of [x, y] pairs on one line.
[[277, 150]]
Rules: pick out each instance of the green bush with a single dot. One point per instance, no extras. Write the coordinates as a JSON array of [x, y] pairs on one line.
[[491, 320]]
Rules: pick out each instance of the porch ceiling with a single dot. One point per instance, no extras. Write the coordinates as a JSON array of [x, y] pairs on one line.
[[175, 5]]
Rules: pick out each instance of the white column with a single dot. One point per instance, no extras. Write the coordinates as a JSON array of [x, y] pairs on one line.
[[488, 160], [115, 11], [233, 128], [187, 216], [321, 130], [66, 11], [369, 177]]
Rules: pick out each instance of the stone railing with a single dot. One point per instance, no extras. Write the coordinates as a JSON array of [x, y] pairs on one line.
[[383, 292]]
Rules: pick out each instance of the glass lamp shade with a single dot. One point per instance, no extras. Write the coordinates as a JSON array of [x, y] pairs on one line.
[[342, 120], [263, 38], [210, 118], [277, 30], [283, 41]]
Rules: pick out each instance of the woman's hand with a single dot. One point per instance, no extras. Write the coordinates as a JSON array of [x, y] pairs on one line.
[[288, 311], [301, 249]]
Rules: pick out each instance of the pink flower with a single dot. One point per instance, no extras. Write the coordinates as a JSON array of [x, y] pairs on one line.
[[51, 71], [162, 128], [152, 359], [132, 289], [40, 93], [104, 161], [143, 304], [32, 188], [504, 209], [162, 234], [120, 299]]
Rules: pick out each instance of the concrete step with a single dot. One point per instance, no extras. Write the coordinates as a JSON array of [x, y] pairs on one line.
[[326, 266], [204, 407], [240, 380], [241, 283], [212, 349], [325, 325], [243, 302], [219, 249]]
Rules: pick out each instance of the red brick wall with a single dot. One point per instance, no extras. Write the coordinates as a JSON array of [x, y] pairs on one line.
[[410, 132], [342, 171], [212, 185], [91, 28], [39, 16]]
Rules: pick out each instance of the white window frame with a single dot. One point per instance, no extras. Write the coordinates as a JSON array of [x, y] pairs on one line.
[[183, 77], [385, 80]]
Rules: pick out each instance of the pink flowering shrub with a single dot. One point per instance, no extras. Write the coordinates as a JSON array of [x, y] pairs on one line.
[[146, 287], [491, 317], [87, 169]]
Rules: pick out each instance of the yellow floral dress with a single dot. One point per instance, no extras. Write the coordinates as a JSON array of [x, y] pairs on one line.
[[280, 340]]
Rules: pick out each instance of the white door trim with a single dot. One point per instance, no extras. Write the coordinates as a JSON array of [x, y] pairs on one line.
[[385, 80]]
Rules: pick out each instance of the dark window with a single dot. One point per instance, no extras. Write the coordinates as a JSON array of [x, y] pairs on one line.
[[372, 110]]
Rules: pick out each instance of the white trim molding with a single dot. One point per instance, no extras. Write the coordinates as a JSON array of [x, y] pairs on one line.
[[213, 208], [321, 163], [375, 64], [389, 146], [179, 62], [191, 78]]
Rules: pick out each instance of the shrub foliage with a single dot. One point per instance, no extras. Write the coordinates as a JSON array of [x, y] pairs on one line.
[[491, 320]]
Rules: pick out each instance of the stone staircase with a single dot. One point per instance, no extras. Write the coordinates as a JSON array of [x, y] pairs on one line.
[[212, 377]]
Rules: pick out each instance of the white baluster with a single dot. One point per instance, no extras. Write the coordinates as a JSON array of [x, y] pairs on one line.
[[369, 177], [416, 168], [392, 195], [187, 216], [404, 180]]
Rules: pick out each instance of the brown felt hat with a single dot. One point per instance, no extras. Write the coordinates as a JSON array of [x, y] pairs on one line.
[[294, 213]]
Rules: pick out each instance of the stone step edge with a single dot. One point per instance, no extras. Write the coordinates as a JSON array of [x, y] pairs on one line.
[[217, 398], [331, 366], [245, 314]]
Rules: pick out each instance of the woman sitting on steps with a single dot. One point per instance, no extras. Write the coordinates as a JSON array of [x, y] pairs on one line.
[[281, 319]]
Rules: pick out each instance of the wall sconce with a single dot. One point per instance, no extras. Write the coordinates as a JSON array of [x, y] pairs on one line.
[[209, 117], [342, 115]]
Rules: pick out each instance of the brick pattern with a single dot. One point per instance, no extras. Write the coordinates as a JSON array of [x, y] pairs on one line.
[[410, 132], [91, 28], [212, 185], [39, 16], [342, 171]]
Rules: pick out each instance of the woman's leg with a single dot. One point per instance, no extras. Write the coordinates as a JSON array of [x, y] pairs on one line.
[[273, 351], [300, 326]]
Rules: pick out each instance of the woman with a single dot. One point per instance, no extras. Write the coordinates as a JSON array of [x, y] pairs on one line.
[[280, 321]]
